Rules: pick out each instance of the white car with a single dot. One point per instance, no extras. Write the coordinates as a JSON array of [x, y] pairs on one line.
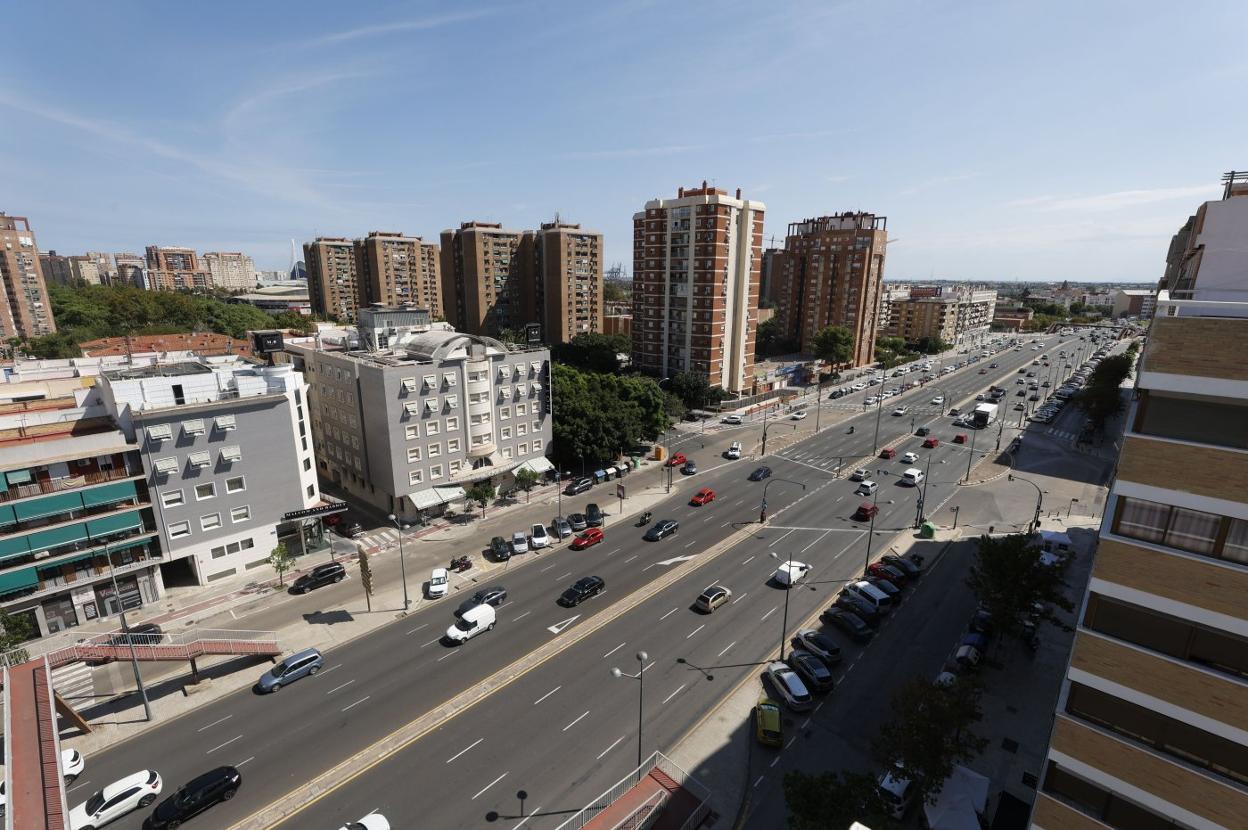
[[859, 475], [372, 821], [72, 765], [115, 800], [870, 400], [790, 687], [538, 537], [732, 419], [866, 488], [790, 573], [519, 542], [439, 583], [734, 451], [798, 415], [938, 400], [901, 410], [858, 387], [909, 458]]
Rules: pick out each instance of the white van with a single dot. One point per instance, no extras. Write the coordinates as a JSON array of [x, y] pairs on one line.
[[912, 476], [871, 595], [897, 794], [471, 623], [439, 583]]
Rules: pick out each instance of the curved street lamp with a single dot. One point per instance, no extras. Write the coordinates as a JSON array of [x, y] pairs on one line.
[[762, 513], [640, 677]]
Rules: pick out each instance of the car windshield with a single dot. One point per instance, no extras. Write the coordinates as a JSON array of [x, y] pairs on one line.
[[95, 802], [438, 580], [793, 684], [465, 625]]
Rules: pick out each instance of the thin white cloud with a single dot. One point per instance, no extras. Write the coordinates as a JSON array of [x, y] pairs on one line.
[[1116, 200], [393, 27], [633, 152], [246, 108], [799, 134]]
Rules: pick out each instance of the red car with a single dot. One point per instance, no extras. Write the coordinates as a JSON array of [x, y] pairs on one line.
[[677, 459], [704, 496], [865, 511], [888, 452], [959, 439], [882, 570], [930, 443], [589, 538]]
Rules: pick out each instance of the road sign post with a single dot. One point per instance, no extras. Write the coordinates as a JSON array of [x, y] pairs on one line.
[[620, 493]]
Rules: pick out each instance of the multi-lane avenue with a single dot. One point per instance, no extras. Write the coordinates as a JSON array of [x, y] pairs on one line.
[[566, 729]]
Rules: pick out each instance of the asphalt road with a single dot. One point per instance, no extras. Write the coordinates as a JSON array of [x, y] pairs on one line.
[[570, 745]]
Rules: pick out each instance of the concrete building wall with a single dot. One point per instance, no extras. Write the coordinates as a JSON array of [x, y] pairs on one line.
[[24, 307], [334, 286]]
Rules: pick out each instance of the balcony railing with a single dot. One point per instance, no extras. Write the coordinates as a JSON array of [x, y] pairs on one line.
[[60, 485]]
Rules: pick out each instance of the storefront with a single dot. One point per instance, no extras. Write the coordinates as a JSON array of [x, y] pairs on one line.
[[303, 531]]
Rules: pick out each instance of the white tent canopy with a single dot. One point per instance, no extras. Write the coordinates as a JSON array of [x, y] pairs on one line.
[[960, 803]]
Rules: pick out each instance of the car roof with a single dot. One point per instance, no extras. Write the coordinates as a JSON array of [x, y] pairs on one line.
[[209, 778], [119, 786], [439, 572], [307, 652]]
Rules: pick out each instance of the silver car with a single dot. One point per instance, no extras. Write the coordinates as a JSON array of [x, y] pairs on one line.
[[298, 665], [789, 687]]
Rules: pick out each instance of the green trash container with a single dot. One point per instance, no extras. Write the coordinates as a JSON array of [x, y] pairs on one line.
[[927, 531]]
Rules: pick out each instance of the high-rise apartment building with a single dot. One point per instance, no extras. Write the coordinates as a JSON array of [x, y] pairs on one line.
[[399, 270], [174, 269], [568, 281], [131, 269], [952, 314], [487, 278], [1151, 728], [57, 269], [696, 266], [93, 268], [24, 307], [333, 277], [830, 273], [232, 271]]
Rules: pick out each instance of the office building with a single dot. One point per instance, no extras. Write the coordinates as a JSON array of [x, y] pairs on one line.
[[408, 413], [175, 269], [333, 278], [487, 278], [568, 282], [1151, 728], [56, 268], [1134, 303], [24, 307], [952, 314], [92, 268], [131, 269], [398, 270], [231, 271], [830, 273], [696, 266]]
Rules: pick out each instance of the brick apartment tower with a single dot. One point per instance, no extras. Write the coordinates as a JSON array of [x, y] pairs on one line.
[[696, 267], [399, 270], [830, 273], [24, 307], [334, 287], [568, 281], [171, 269], [231, 270], [1151, 728], [487, 278]]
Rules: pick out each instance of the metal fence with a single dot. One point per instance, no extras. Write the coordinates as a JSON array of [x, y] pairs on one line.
[[181, 645], [620, 788]]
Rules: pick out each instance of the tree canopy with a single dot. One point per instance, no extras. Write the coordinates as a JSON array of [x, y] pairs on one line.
[[834, 344], [930, 345], [1102, 397], [597, 416], [695, 391], [592, 352], [832, 800], [1011, 583], [770, 341]]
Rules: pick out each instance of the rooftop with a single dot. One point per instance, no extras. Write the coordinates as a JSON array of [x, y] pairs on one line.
[[159, 370]]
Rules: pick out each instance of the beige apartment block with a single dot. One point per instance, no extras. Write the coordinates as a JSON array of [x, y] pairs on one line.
[[174, 269], [399, 270], [569, 281], [24, 307], [488, 278], [697, 260], [232, 271], [334, 287]]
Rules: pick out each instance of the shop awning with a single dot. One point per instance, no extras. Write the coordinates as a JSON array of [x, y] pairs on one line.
[[432, 497], [109, 493], [48, 506], [17, 580], [114, 524], [538, 465]]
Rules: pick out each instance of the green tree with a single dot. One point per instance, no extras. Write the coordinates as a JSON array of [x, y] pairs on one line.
[[482, 492], [598, 415], [1011, 583], [613, 292], [281, 561], [526, 480], [834, 344], [931, 345], [833, 800], [592, 352], [51, 347], [1102, 398], [770, 340], [15, 629], [929, 732], [694, 390]]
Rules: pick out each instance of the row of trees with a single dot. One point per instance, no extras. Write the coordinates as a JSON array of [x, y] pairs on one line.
[[88, 312], [1102, 397]]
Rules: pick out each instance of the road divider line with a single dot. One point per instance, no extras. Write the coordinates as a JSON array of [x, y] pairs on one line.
[[227, 743], [748, 561], [695, 631], [668, 614], [743, 596], [730, 645], [244, 761], [613, 651], [431, 642], [575, 722], [357, 703], [522, 616], [608, 749], [769, 613], [548, 694], [214, 723], [491, 784], [417, 628], [448, 654], [465, 749], [343, 686], [680, 689]]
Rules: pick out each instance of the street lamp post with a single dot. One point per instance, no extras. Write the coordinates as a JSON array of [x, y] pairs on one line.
[[402, 564], [971, 456], [875, 504], [640, 677], [134, 657], [762, 515], [879, 410], [918, 522], [784, 623]]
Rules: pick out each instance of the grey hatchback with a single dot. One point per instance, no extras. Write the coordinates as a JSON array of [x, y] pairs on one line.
[[300, 664]]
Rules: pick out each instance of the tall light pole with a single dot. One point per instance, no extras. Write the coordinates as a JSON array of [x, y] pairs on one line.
[[667, 440], [875, 505], [134, 658], [402, 564], [762, 515], [784, 623], [971, 456], [879, 409], [640, 677], [918, 522]]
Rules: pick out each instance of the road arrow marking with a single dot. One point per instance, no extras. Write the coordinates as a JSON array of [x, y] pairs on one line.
[[560, 626], [675, 559]]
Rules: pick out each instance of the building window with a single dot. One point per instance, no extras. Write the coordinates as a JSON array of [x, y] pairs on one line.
[[1194, 531], [218, 552], [506, 434], [452, 424], [1178, 638], [430, 381], [195, 426], [455, 466], [522, 429], [523, 448], [240, 514], [210, 522], [506, 452], [200, 459], [225, 423], [435, 450], [537, 427], [452, 445], [172, 498], [504, 413], [537, 444], [521, 409], [435, 471], [231, 454], [205, 491], [311, 491], [235, 485], [415, 477], [433, 428], [411, 433], [307, 464], [160, 432], [179, 529], [166, 466]]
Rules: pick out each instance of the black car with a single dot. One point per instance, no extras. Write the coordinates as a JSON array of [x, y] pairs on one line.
[[593, 515], [863, 609], [319, 577], [577, 486], [500, 549], [836, 393], [690, 468], [921, 431], [495, 596], [820, 645], [196, 796], [901, 563], [885, 586], [577, 520], [143, 634], [812, 670], [760, 474], [581, 590], [1033, 397], [661, 528], [350, 529], [848, 622], [981, 622]]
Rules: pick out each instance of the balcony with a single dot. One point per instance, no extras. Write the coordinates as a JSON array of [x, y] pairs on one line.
[[48, 486], [48, 577]]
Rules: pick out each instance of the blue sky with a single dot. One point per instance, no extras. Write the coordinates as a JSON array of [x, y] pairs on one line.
[[1063, 140]]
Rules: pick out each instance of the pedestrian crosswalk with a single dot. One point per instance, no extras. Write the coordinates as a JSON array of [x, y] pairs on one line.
[[828, 464], [74, 682], [381, 538]]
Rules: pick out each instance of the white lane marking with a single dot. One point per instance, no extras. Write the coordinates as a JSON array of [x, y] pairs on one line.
[[608, 749], [730, 645], [358, 702], [562, 624], [331, 668], [522, 616], [738, 599], [630, 559], [817, 541], [240, 763], [547, 568], [417, 628], [695, 631], [343, 686], [617, 550], [431, 642], [805, 724], [691, 544], [668, 614], [227, 743], [563, 576], [465, 749], [548, 694], [790, 743], [778, 541], [748, 561], [575, 722], [448, 654], [491, 784], [712, 583], [673, 694], [525, 820], [214, 723], [769, 613], [774, 761], [759, 781], [85, 783], [613, 651]]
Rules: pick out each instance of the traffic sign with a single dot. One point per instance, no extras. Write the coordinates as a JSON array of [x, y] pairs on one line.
[[619, 490]]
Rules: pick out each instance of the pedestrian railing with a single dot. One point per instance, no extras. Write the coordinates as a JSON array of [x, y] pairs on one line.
[[645, 814], [182, 645], [663, 764]]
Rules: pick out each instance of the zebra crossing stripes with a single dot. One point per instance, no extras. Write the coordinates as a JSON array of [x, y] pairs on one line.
[[74, 682]]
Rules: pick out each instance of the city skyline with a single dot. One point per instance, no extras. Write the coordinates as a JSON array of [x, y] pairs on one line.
[[1058, 164]]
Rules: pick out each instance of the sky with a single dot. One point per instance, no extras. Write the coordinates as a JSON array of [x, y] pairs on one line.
[[1002, 139]]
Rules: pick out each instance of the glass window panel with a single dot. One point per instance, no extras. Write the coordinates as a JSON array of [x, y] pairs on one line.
[[1193, 530], [1141, 519], [1236, 545]]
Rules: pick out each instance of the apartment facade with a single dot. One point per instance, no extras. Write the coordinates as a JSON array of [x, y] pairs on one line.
[[406, 414], [1129, 302], [24, 307], [568, 281], [333, 277], [1151, 728], [232, 271], [954, 314], [831, 273], [131, 269], [176, 269], [56, 268], [488, 279], [696, 268], [394, 270]]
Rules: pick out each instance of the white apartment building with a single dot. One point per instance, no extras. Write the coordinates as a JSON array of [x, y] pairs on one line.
[[231, 271]]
